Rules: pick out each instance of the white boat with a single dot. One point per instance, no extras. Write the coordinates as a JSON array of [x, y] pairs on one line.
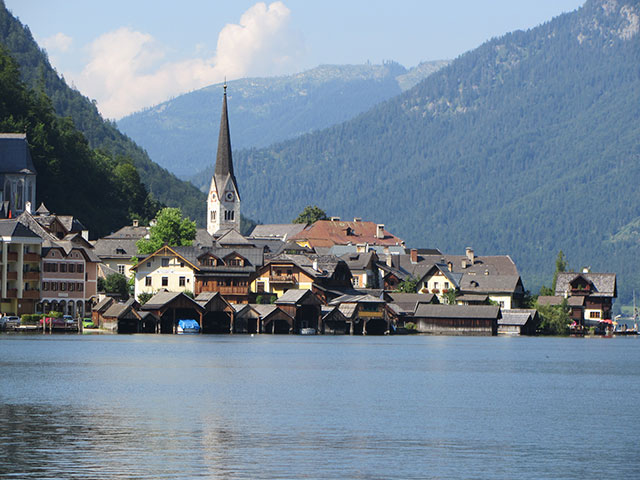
[[307, 331]]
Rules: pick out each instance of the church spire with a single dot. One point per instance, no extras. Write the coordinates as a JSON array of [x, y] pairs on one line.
[[224, 162]]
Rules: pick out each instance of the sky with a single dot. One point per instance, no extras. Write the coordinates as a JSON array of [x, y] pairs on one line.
[[133, 54]]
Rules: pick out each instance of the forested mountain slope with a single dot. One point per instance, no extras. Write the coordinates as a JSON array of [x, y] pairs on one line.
[[38, 74], [526, 145], [178, 133]]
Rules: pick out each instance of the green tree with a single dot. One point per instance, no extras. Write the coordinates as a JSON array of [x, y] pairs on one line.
[[410, 285], [311, 214], [171, 229], [144, 297], [450, 296], [561, 266], [117, 283], [554, 319]]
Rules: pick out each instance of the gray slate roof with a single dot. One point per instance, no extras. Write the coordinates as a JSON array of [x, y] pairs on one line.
[[14, 154], [118, 310], [518, 317], [458, 311], [129, 232], [281, 231], [576, 301], [489, 283], [604, 283], [163, 298], [14, 228], [408, 302], [115, 247]]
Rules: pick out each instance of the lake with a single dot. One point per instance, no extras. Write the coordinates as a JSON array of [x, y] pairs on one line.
[[325, 407]]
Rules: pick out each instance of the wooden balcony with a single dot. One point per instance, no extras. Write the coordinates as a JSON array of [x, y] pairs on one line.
[[12, 293], [233, 290], [12, 256], [31, 257], [282, 279], [31, 276], [33, 294], [12, 275]]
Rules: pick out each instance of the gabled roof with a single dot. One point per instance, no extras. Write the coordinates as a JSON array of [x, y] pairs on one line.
[[327, 264], [115, 248], [164, 298], [576, 301], [458, 311], [453, 277], [489, 283], [265, 311], [129, 232], [518, 317], [356, 299], [296, 296], [119, 310], [233, 238], [13, 228], [167, 250], [408, 302], [103, 304], [281, 231], [206, 299], [359, 261], [604, 283], [14, 154]]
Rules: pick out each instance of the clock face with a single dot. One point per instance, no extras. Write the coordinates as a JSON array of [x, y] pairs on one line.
[[228, 196]]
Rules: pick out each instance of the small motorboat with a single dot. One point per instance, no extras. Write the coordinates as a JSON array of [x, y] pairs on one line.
[[188, 326], [307, 331]]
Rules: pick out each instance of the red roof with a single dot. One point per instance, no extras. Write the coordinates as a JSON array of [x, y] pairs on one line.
[[326, 233]]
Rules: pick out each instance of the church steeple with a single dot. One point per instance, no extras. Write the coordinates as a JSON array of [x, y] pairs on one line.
[[223, 202], [224, 160]]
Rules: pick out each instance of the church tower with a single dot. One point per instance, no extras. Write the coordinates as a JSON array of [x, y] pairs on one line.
[[223, 202]]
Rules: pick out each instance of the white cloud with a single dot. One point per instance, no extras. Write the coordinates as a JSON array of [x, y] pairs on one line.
[[57, 43], [127, 70]]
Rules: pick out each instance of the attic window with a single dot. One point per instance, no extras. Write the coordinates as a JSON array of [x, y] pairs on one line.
[[120, 251]]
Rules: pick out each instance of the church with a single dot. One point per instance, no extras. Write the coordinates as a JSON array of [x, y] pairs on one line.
[[223, 201]]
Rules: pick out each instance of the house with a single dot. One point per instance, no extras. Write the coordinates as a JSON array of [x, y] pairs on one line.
[[17, 175], [326, 233], [275, 319], [598, 291], [123, 317], [118, 249], [363, 268], [518, 321], [401, 307], [281, 231], [286, 271], [219, 316], [365, 314], [199, 269], [20, 257], [457, 319], [334, 321]]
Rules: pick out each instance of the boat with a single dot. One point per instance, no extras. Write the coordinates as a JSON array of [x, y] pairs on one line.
[[188, 325], [307, 331]]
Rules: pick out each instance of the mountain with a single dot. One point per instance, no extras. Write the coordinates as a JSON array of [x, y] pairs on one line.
[[38, 74], [178, 133], [526, 145]]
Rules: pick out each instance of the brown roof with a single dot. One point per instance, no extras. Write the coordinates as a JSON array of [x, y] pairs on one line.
[[577, 301], [457, 311], [325, 233]]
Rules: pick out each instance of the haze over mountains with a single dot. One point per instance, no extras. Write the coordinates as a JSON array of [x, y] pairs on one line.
[[180, 134]]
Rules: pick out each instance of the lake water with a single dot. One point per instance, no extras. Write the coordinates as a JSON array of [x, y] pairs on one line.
[[290, 407]]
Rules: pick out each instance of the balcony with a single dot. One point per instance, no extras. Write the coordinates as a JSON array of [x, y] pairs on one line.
[[31, 257], [282, 279], [12, 256], [31, 276], [33, 294], [12, 275], [233, 290], [12, 293]]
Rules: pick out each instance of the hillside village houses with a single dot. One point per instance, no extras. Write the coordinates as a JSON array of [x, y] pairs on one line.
[[333, 276]]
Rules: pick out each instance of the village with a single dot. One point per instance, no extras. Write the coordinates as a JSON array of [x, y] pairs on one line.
[[333, 276]]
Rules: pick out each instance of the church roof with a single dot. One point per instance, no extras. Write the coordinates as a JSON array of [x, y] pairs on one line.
[[14, 154]]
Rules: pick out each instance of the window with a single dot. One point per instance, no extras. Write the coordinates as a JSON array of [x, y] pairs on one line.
[[260, 287], [54, 286], [72, 268], [80, 268], [236, 262], [181, 281], [181, 264], [435, 284], [45, 285], [147, 281], [71, 285], [165, 262], [121, 269], [63, 286], [213, 215], [79, 287], [148, 264], [63, 268], [54, 267], [501, 304], [356, 281], [595, 314], [165, 281], [446, 284]]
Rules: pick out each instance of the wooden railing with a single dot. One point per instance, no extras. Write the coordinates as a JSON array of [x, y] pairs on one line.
[[31, 276], [12, 275], [31, 257], [282, 279], [31, 294]]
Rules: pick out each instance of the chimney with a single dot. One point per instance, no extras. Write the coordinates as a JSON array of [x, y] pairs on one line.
[[380, 230], [463, 263], [389, 261], [450, 266], [414, 255], [486, 272], [27, 207], [335, 219], [586, 270], [135, 222], [315, 265], [357, 219], [469, 252]]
